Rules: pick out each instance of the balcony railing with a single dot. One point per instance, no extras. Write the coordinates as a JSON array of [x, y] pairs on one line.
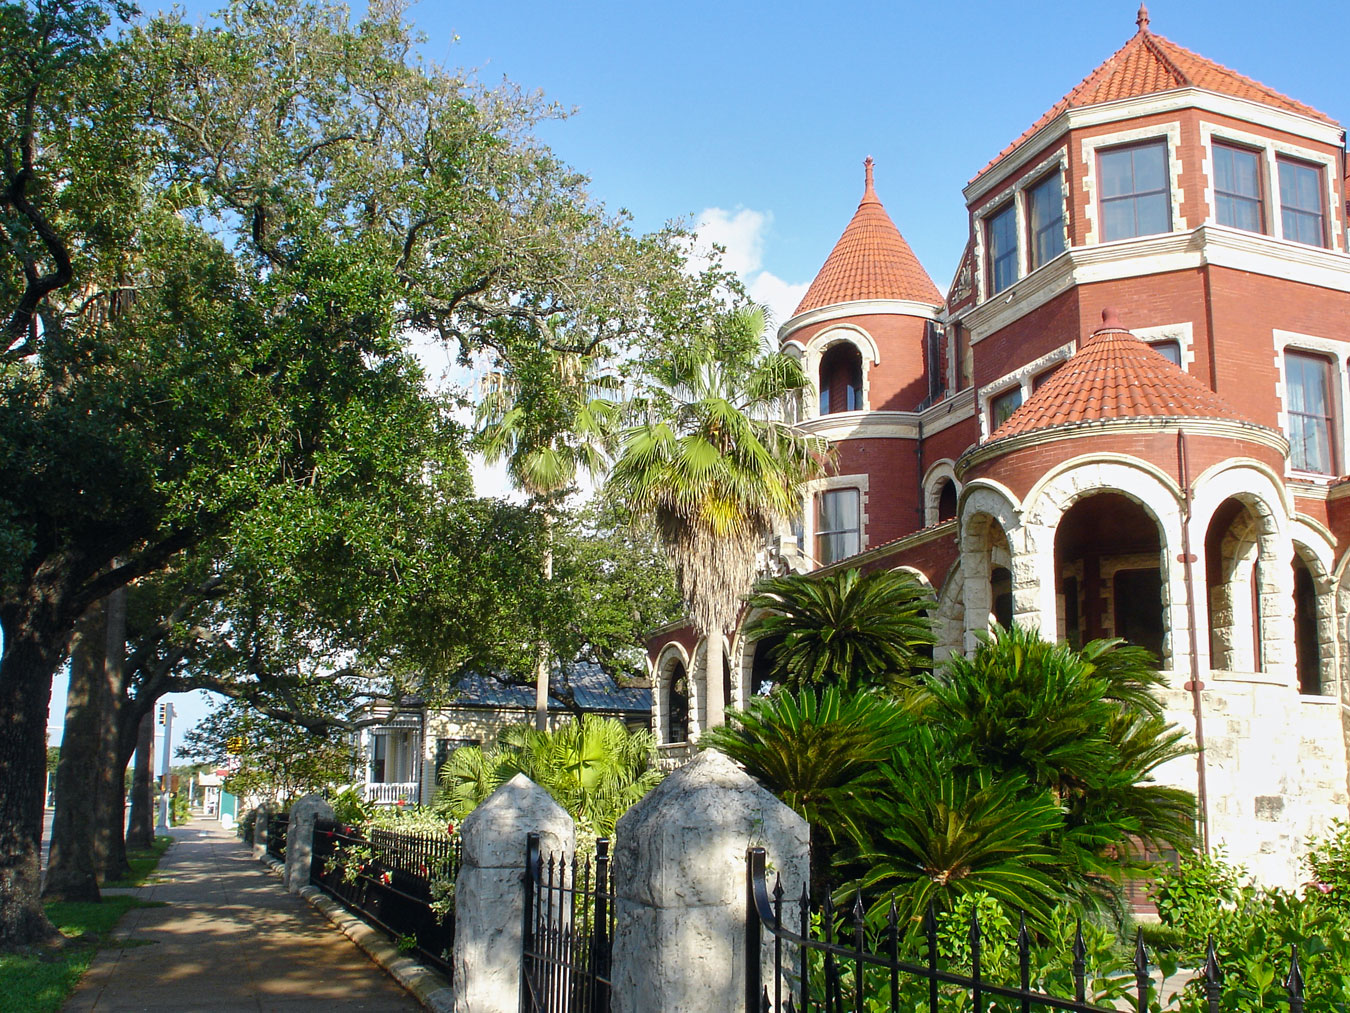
[[392, 792]]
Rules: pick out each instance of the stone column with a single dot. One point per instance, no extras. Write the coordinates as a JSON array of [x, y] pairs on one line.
[[679, 878], [300, 839], [490, 891], [260, 818]]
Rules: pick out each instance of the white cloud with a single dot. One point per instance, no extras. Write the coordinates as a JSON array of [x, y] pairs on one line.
[[742, 233]]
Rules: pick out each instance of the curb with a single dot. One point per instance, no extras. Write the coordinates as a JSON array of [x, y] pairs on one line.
[[428, 987]]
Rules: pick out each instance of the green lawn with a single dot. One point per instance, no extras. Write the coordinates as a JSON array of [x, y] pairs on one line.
[[40, 980], [143, 863]]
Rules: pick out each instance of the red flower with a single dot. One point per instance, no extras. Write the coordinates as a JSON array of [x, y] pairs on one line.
[[403, 801]]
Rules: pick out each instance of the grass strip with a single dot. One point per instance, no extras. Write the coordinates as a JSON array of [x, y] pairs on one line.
[[39, 979], [143, 862]]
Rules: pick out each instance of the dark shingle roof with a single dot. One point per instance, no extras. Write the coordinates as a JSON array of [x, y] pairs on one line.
[[585, 682]]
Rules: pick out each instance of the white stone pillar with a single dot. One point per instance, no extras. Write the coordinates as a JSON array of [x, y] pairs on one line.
[[679, 878], [490, 891], [300, 839]]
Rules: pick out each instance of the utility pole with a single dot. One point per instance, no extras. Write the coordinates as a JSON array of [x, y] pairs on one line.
[[164, 718]]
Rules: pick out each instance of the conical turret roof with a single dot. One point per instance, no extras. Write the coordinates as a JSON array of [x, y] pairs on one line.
[[870, 261], [1149, 64], [1114, 375]]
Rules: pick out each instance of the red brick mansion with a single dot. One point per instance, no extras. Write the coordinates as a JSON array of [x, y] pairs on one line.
[[1126, 417]]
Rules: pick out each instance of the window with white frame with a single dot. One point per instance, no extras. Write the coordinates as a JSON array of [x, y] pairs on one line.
[[838, 527], [1045, 219], [1135, 194], [1001, 406], [1310, 409], [1001, 242], [1169, 350], [1237, 188], [1302, 214]]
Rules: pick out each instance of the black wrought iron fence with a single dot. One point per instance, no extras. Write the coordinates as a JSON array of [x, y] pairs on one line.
[[401, 883], [277, 824], [817, 966], [567, 933]]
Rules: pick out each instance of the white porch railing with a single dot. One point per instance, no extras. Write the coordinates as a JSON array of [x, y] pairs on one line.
[[392, 792]]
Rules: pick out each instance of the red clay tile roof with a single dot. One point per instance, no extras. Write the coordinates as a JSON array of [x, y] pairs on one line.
[[1148, 64], [870, 261], [1114, 375]]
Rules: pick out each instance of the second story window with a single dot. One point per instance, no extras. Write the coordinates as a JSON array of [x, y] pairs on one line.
[[1001, 407], [1045, 219], [1301, 213], [1169, 350], [1307, 386], [837, 525], [1135, 199], [1001, 238], [1237, 188]]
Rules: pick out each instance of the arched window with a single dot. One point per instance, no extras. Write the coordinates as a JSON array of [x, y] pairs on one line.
[[947, 501], [677, 705], [1306, 653], [841, 379]]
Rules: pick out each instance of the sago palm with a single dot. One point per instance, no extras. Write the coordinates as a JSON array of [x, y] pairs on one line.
[[713, 462], [845, 629], [546, 415]]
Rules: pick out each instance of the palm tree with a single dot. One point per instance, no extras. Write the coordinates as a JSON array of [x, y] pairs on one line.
[[845, 629], [595, 768], [545, 414], [715, 464]]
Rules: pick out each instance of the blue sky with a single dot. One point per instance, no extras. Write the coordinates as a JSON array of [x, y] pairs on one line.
[[754, 118]]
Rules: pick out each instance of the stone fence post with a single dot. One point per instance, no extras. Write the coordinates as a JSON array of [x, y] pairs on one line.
[[260, 817], [300, 839], [490, 891], [679, 878]]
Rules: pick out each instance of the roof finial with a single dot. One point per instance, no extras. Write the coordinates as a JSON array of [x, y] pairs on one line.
[[867, 170], [1142, 19], [1110, 318]]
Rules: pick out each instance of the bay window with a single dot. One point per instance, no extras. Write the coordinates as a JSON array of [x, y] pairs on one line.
[[1045, 219], [1135, 197], [1237, 188], [1001, 233], [1302, 215]]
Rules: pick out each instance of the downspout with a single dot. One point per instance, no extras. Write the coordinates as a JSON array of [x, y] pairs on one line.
[[1195, 685]]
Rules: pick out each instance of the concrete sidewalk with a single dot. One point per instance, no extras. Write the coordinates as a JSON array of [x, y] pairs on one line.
[[230, 939]]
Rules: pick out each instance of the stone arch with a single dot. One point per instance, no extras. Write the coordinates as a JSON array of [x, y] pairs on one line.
[[698, 706], [820, 344], [949, 621], [1240, 529], [937, 482], [672, 666], [1138, 481], [988, 540], [744, 650], [931, 611]]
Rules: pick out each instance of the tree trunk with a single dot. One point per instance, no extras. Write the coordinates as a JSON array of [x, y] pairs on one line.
[[542, 666], [141, 833], [26, 669], [71, 867], [110, 833], [712, 681]]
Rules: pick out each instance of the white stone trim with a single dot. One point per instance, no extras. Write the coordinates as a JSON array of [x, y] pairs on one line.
[[1090, 146], [1160, 254], [1022, 377], [862, 425], [1270, 149], [948, 412], [937, 473], [1338, 352], [813, 488], [1316, 130], [1183, 334], [859, 308]]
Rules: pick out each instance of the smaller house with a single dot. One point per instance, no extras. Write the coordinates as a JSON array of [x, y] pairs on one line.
[[402, 754]]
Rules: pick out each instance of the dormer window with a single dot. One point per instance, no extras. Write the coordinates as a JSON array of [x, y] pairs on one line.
[[1237, 188], [841, 379], [1301, 210], [1135, 198], [1045, 219], [1001, 231]]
